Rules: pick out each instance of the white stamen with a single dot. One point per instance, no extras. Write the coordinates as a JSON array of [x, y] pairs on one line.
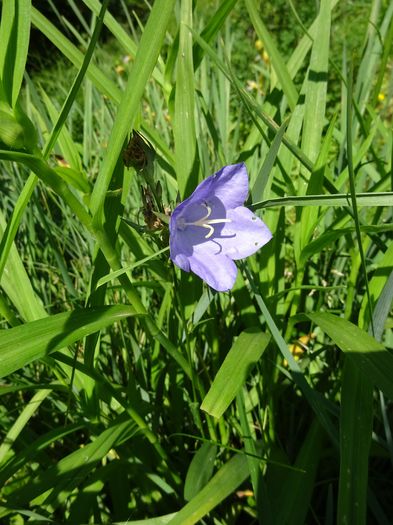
[[203, 223]]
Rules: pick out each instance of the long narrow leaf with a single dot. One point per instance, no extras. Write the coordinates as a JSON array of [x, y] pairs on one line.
[[23, 344]]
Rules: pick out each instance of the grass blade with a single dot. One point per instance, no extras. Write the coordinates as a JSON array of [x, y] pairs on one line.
[[145, 60], [374, 361], [223, 483], [356, 418], [25, 343], [184, 125], [277, 61], [14, 38], [245, 352]]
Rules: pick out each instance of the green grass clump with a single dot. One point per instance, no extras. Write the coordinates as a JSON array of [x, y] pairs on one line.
[[131, 392]]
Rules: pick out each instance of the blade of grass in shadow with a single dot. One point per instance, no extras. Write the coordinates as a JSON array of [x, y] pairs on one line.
[[297, 486], [223, 483], [69, 472], [374, 361], [145, 60], [356, 419], [262, 500], [21, 458], [317, 403], [22, 420]]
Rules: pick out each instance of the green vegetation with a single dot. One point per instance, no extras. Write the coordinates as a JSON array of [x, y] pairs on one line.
[[130, 391]]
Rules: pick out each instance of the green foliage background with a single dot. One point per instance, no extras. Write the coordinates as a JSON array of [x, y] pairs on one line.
[[130, 391]]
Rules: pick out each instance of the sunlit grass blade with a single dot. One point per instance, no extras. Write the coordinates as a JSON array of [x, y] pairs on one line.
[[14, 38], [316, 86], [212, 28], [362, 199], [184, 118], [245, 352], [23, 344], [376, 285], [17, 285], [263, 181], [70, 51], [145, 60]]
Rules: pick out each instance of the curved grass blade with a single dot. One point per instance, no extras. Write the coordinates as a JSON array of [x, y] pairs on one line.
[[222, 484], [23, 344]]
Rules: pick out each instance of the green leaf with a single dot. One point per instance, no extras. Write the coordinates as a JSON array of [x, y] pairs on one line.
[[212, 28], [184, 118], [200, 470], [68, 473], [356, 418], [277, 61], [375, 362], [227, 479], [28, 453], [14, 38], [316, 86], [26, 343], [297, 486], [339, 199], [22, 420], [244, 354], [145, 60], [16, 283]]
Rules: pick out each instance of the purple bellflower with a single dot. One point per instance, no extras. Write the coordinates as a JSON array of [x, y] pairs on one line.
[[212, 228]]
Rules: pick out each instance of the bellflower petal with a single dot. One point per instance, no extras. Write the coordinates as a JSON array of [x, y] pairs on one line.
[[249, 228], [212, 228], [218, 271]]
